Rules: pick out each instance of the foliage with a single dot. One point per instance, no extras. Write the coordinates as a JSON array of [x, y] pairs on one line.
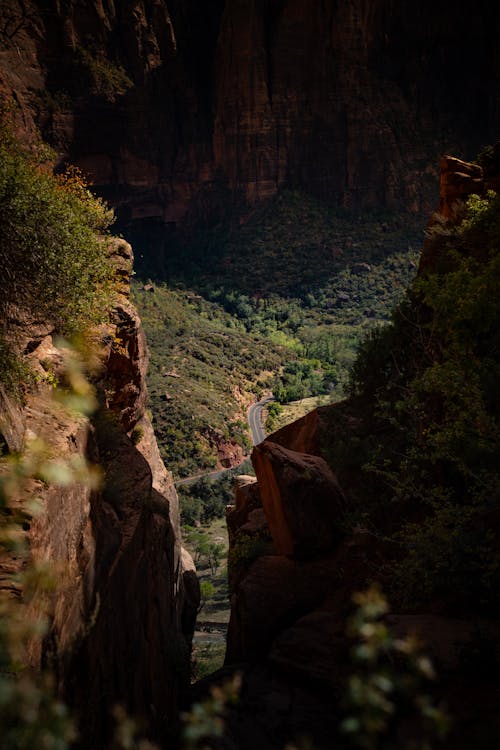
[[191, 508], [207, 590], [209, 657], [273, 412], [205, 550], [13, 369], [137, 434], [50, 254], [206, 499], [205, 722], [30, 713], [434, 377], [101, 76], [289, 321], [202, 363], [390, 685], [489, 159]]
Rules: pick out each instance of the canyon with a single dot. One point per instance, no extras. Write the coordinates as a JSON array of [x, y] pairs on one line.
[[188, 114]]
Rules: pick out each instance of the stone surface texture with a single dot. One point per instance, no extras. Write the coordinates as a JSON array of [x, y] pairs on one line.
[[229, 100], [123, 610]]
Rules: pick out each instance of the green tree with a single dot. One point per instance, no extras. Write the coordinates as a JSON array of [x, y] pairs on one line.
[[207, 590], [433, 377], [215, 554]]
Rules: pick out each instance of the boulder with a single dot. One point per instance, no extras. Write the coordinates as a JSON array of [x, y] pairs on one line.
[[459, 179], [246, 500], [275, 592], [302, 500]]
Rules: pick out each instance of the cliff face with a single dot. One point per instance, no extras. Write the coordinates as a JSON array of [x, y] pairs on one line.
[[227, 101], [125, 599]]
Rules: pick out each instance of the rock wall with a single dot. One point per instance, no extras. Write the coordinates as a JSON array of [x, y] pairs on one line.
[[123, 610], [227, 101]]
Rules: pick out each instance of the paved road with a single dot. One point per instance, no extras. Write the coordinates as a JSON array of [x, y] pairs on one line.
[[211, 475], [254, 416], [255, 419]]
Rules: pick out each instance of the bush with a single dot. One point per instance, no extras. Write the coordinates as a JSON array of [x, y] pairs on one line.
[[13, 370], [101, 76], [51, 256], [137, 434], [206, 499], [433, 376], [392, 683]]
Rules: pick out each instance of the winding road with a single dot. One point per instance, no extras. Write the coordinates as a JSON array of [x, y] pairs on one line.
[[254, 416]]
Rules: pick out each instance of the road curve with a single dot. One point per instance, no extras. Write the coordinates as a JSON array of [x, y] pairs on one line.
[[254, 416], [210, 475], [255, 419]]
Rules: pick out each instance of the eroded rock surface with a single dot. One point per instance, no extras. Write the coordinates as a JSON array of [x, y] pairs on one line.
[[123, 611]]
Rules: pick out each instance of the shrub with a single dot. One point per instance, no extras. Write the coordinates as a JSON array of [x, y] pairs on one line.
[[433, 376], [391, 683], [101, 76], [51, 256], [12, 368], [137, 434]]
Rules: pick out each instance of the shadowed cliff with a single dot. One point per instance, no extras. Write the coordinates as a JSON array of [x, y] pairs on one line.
[[122, 608], [184, 110]]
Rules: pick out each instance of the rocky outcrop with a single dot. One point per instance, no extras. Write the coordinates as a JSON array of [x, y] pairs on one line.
[[247, 504], [123, 610], [458, 180], [301, 498], [182, 111]]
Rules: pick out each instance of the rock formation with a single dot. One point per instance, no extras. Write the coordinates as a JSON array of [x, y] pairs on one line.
[[182, 110], [302, 523], [459, 180], [123, 610]]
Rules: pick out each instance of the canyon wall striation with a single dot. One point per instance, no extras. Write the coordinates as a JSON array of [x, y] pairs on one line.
[[181, 110]]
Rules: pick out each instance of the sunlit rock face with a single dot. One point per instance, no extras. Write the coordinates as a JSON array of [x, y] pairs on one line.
[[223, 103], [459, 180]]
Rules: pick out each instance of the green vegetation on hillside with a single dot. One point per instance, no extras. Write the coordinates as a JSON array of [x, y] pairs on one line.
[[433, 377], [295, 245], [204, 368], [292, 292]]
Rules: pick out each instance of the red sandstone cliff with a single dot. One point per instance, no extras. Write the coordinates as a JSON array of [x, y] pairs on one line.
[[228, 101], [126, 596]]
